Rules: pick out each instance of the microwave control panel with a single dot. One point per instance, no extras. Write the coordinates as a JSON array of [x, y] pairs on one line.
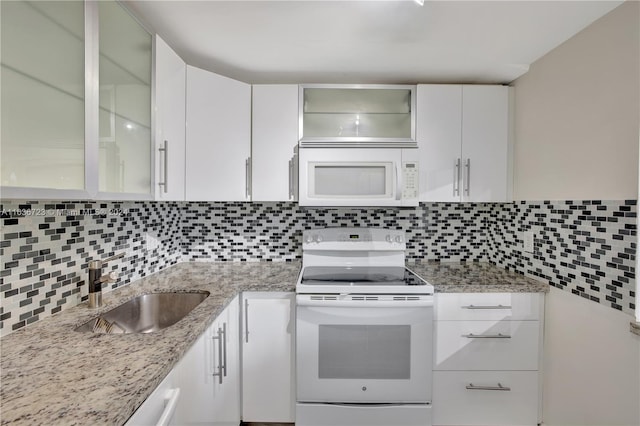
[[410, 178]]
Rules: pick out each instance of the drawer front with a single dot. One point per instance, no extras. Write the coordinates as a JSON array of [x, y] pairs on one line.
[[488, 306], [454, 404], [486, 345]]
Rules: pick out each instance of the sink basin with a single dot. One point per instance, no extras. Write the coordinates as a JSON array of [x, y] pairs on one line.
[[145, 314]]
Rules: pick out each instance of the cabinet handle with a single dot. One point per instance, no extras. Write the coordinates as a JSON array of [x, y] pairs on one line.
[[291, 179], [467, 166], [471, 386], [246, 320], [456, 179], [486, 307], [247, 175], [165, 153], [219, 338], [165, 418], [486, 336], [224, 343]]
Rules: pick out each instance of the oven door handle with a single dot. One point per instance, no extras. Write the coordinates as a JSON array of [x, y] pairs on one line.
[[364, 303]]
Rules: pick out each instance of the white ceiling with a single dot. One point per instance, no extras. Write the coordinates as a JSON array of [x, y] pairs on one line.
[[367, 41]]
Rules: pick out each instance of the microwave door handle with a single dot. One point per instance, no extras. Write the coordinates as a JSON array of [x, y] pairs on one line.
[[398, 183]]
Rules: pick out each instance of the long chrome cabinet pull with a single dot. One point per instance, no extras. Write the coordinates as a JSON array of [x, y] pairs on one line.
[[247, 177], [291, 179], [219, 338], [456, 178], [246, 321], [165, 151], [486, 307], [471, 386], [486, 336], [467, 189], [224, 343]]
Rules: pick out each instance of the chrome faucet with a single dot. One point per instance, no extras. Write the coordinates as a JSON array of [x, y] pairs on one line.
[[96, 279]]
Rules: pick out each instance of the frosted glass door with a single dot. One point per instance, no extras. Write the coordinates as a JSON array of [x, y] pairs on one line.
[[125, 102], [352, 114], [42, 95]]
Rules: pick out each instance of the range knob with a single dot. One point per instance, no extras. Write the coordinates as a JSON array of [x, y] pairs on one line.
[[319, 238], [399, 239], [389, 238], [308, 239]]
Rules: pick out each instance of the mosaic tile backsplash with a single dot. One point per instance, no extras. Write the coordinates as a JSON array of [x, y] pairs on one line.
[[586, 247]]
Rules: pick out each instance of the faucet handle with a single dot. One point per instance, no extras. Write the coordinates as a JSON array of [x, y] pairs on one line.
[[111, 277]]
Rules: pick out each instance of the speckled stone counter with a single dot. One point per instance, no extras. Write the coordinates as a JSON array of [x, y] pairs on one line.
[[53, 375], [474, 277]]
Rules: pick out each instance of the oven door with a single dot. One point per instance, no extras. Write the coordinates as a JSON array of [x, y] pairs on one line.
[[371, 351]]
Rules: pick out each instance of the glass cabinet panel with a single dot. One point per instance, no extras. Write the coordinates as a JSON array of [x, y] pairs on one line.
[[357, 113], [42, 127], [125, 102]]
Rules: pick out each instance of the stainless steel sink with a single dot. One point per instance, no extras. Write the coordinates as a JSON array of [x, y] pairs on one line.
[[145, 314]]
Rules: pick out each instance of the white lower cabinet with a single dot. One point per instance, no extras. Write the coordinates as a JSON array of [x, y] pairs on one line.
[[160, 407], [268, 361], [209, 375], [485, 398], [487, 359]]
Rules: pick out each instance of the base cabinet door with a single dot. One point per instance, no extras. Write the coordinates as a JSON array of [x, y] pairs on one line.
[[268, 391], [208, 375], [160, 407]]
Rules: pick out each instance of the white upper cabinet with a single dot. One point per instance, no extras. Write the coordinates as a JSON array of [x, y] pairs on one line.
[[76, 101], [43, 151], [125, 148], [170, 84], [274, 142], [463, 143], [439, 133], [485, 143], [218, 163], [357, 115]]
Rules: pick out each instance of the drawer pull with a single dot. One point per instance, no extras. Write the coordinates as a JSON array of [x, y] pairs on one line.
[[471, 386], [486, 307], [487, 336]]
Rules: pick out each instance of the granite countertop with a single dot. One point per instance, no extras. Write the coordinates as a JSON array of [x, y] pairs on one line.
[[51, 374], [474, 277]]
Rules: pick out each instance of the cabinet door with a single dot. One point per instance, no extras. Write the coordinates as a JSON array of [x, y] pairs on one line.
[[226, 392], [208, 398], [160, 407], [125, 148], [43, 100], [218, 137], [268, 393], [171, 89], [439, 133], [274, 138], [485, 143]]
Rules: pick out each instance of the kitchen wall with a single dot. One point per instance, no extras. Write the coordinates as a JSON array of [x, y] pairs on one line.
[[576, 137], [46, 246], [576, 115]]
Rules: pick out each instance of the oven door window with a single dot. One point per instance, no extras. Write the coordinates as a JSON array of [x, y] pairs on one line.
[[373, 352]]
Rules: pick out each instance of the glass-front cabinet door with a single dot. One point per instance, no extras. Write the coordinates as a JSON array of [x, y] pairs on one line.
[[75, 106], [42, 124], [124, 102], [362, 115]]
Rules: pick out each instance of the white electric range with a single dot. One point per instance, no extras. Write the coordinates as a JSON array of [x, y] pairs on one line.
[[363, 331]]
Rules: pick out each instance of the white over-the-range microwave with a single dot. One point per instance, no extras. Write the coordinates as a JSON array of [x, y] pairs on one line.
[[380, 177]]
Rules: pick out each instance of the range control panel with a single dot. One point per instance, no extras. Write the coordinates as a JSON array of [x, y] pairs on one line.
[[353, 236]]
